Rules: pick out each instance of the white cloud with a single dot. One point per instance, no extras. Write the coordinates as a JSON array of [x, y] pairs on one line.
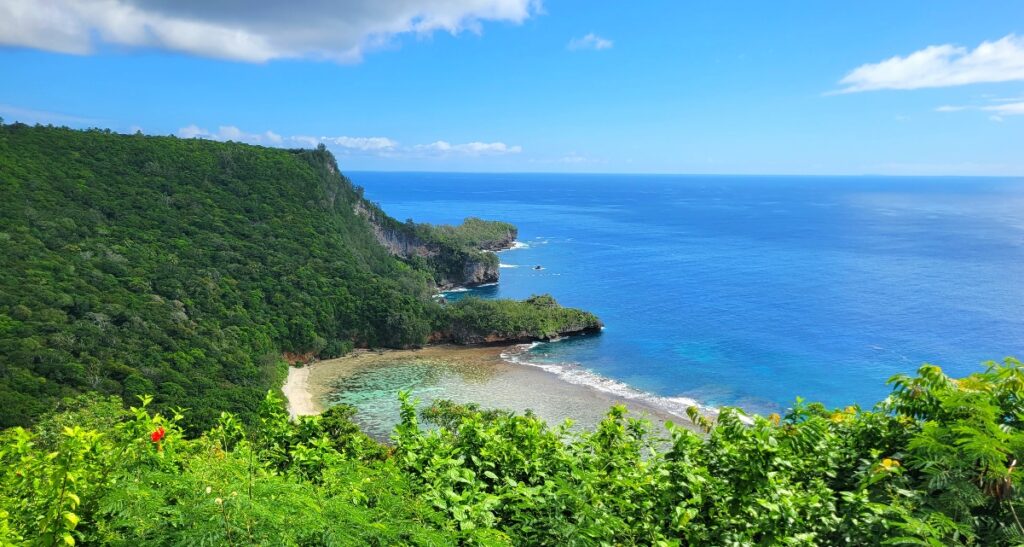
[[273, 138], [230, 133], [31, 115], [590, 41], [1006, 109], [363, 143], [193, 131], [381, 146], [360, 144], [338, 30], [474, 148], [997, 107], [942, 66]]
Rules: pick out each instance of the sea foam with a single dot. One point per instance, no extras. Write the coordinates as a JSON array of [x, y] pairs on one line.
[[515, 246], [576, 374]]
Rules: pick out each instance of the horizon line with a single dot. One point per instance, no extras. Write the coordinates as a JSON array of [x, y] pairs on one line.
[[674, 174]]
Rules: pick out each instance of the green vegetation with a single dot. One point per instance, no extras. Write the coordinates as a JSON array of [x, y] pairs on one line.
[[472, 233], [454, 255], [934, 464], [185, 269], [475, 321]]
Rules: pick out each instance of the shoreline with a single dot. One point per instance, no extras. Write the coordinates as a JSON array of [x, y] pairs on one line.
[[493, 375], [297, 394], [488, 375]]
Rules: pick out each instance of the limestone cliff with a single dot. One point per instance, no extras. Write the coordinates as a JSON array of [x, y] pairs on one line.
[[455, 262]]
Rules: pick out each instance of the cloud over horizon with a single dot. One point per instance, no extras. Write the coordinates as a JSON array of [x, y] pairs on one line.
[[380, 146], [475, 148], [942, 66], [590, 41], [340, 30]]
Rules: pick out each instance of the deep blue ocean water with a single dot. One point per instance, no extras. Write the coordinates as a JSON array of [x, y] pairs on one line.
[[752, 290]]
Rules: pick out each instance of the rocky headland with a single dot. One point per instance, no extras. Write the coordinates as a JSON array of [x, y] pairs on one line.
[[459, 256]]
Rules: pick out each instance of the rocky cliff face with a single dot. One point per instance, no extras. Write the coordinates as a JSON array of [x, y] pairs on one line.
[[453, 267], [397, 241], [475, 272], [504, 242]]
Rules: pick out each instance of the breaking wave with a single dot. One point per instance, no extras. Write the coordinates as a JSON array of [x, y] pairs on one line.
[[576, 374]]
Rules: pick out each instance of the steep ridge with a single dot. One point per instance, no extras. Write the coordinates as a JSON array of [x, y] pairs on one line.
[[191, 270]]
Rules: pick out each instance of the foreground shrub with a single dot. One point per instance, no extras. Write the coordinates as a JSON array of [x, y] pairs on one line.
[[934, 464]]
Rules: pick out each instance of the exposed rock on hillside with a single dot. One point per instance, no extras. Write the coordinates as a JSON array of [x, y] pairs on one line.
[[458, 255]]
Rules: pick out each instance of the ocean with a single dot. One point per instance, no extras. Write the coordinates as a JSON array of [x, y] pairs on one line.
[[750, 290]]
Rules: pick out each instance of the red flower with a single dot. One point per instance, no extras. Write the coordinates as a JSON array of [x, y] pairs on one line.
[[157, 435]]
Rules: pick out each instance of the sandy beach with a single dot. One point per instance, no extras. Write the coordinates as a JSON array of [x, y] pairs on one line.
[[370, 381], [306, 386], [297, 393]]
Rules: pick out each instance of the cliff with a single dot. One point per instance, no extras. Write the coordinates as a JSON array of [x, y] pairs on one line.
[[538, 318], [457, 255]]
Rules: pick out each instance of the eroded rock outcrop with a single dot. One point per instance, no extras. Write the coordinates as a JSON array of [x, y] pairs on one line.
[[453, 264]]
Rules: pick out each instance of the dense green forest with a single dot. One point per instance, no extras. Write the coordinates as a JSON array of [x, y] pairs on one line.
[[933, 464], [473, 233], [186, 268], [540, 317]]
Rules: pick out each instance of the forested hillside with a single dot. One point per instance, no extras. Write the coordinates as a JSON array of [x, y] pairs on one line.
[[186, 268]]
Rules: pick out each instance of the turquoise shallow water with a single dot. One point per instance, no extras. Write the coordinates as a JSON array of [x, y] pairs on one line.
[[372, 386], [752, 290]]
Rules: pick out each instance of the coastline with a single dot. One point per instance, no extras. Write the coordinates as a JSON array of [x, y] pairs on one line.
[[494, 375], [370, 380], [297, 394]]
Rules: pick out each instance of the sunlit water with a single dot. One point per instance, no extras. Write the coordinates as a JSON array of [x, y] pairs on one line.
[[749, 291]]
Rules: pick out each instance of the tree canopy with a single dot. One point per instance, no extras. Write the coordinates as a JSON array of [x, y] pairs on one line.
[[186, 268]]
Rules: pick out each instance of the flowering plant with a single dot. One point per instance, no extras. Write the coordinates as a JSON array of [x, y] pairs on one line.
[[157, 435]]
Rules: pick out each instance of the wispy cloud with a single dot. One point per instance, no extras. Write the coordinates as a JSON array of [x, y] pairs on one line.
[[1006, 109], [475, 148], [31, 115], [590, 41], [942, 66], [339, 30], [378, 144], [997, 108], [371, 146], [231, 133]]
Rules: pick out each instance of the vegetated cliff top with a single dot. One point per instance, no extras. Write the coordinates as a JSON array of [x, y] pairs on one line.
[[184, 268], [540, 317]]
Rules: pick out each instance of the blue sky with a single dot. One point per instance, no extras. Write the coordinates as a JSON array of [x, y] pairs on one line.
[[519, 85]]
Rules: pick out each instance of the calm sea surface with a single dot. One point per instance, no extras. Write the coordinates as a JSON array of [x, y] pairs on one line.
[[750, 291]]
